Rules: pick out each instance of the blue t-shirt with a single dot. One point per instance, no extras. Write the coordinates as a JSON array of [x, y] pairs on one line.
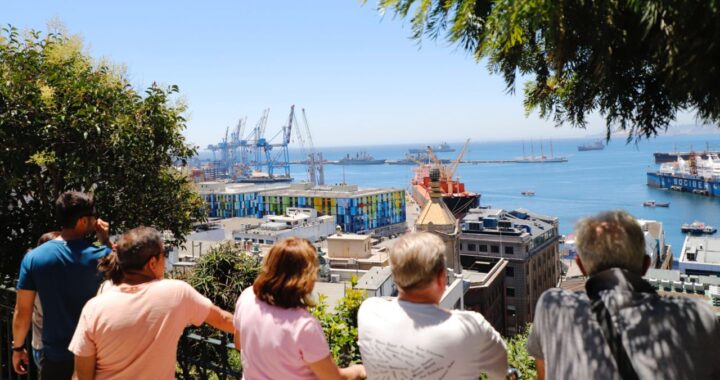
[[65, 276]]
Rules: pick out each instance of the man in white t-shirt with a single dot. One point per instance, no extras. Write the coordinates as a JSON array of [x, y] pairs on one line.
[[412, 337]]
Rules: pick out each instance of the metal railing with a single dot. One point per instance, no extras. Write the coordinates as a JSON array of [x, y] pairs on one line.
[[202, 353]]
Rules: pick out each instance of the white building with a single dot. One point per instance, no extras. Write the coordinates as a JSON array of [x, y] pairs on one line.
[[700, 256], [378, 282], [297, 222]]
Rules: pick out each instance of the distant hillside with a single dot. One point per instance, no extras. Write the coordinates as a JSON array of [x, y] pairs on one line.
[[674, 130]]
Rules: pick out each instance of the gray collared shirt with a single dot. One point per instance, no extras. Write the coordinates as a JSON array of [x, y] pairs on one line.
[[665, 338]]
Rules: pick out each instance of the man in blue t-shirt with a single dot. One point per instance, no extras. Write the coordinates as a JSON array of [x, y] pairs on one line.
[[63, 272]]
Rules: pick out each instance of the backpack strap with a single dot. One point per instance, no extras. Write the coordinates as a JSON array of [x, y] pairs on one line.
[[613, 339]]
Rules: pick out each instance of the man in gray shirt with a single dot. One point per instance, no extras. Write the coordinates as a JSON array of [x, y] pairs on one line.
[[619, 328]]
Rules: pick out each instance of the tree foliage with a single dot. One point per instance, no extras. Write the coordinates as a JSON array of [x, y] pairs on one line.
[[223, 273], [636, 62], [341, 327], [69, 123]]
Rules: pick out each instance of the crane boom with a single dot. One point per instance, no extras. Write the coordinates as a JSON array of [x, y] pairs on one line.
[[456, 163], [307, 131]]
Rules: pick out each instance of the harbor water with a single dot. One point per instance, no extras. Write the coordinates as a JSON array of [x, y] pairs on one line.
[[592, 181]]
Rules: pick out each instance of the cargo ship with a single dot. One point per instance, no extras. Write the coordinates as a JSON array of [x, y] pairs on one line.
[[695, 175], [664, 157], [263, 177], [361, 158], [442, 148], [597, 145], [457, 199]]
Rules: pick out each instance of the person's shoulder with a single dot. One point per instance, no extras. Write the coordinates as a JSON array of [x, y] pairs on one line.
[[171, 284], [470, 317], [687, 307], [561, 296], [96, 248], [98, 303], [41, 252], [375, 303]]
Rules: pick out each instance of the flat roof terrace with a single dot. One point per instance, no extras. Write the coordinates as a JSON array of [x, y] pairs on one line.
[[706, 250], [330, 192]]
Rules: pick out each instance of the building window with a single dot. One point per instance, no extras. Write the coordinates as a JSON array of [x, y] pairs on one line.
[[511, 311], [472, 247], [483, 248], [494, 249], [509, 271], [510, 292], [509, 250]]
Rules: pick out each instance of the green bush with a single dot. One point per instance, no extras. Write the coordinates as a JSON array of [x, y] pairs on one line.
[[340, 327], [223, 273]]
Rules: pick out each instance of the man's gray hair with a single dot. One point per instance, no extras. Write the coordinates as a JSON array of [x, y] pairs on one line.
[[612, 239], [416, 259]]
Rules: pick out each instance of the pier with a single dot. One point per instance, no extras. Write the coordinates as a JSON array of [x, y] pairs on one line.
[[469, 162]]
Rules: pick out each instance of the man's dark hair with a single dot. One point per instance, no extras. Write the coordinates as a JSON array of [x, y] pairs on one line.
[[73, 205]]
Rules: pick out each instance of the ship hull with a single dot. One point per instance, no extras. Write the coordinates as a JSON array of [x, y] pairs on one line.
[[363, 162], [684, 183], [458, 203], [266, 180], [663, 157], [435, 150], [586, 149]]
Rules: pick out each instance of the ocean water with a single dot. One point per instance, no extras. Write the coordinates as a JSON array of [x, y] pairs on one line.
[[590, 182]]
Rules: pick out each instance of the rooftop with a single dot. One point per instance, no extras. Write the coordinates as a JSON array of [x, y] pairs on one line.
[[652, 226], [217, 187], [348, 236], [374, 278], [706, 250], [515, 222], [335, 191]]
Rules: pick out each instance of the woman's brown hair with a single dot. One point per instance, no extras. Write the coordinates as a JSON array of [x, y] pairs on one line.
[[288, 274], [132, 251]]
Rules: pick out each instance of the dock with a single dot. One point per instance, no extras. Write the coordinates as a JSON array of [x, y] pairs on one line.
[[467, 162]]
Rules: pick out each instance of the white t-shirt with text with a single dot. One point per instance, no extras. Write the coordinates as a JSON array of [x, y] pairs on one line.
[[405, 340]]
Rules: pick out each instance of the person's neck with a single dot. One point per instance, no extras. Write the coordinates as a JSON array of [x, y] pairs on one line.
[[71, 234], [137, 278], [418, 297]]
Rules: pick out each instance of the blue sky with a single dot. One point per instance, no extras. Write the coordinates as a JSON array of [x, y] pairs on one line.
[[360, 78]]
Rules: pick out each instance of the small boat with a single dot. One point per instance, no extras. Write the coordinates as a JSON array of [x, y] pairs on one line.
[[527, 193], [698, 228], [656, 204]]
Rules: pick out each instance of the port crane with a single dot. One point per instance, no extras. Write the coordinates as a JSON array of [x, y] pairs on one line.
[[257, 156], [274, 155], [314, 159]]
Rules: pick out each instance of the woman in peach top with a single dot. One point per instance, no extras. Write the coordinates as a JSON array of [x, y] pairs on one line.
[[277, 337], [131, 330]]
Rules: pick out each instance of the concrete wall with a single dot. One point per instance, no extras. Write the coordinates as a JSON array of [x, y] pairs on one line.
[[349, 248], [527, 275]]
